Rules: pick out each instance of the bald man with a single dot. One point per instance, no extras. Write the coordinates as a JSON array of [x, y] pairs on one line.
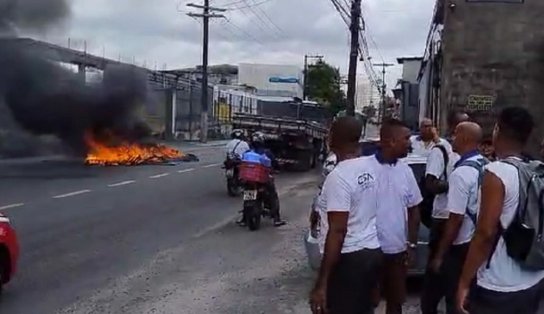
[[427, 138], [464, 184]]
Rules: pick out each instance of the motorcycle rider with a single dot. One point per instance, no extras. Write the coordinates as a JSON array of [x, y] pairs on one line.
[[272, 200], [237, 146], [328, 166]]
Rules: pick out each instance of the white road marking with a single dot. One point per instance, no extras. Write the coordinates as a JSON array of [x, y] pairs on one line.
[[72, 194], [12, 206], [212, 165], [121, 183], [186, 170], [159, 175]]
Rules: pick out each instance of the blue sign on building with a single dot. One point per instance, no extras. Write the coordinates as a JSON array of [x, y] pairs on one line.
[[277, 79]]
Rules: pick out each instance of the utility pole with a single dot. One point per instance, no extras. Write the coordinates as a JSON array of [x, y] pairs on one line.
[[354, 55], [384, 86], [305, 86], [205, 15]]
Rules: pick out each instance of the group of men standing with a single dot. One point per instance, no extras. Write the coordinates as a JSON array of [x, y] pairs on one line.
[[370, 216]]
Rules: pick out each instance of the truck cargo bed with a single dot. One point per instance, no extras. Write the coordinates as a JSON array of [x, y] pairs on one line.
[[272, 125]]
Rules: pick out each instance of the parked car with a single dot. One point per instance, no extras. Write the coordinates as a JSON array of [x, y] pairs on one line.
[[9, 251], [418, 165]]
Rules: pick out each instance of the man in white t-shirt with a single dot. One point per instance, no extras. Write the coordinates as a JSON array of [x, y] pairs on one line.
[[439, 166], [423, 143], [237, 146], [463, 202], [349, 242], [398, 213], [503, 285]]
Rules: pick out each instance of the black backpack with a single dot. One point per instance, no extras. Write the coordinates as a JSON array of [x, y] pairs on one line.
[[426, 207], [524, 237]]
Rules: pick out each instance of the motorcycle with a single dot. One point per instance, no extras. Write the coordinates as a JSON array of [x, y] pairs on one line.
[[254, 208], [234, 185]]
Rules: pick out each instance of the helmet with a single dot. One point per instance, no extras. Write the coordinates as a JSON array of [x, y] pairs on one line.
[[237, 134], [257, 137]]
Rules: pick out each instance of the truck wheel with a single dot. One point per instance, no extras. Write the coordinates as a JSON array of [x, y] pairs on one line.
[[315, 157]]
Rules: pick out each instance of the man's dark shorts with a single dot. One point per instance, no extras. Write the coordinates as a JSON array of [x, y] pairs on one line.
[[530, 301], [393, 279], [352, 282]]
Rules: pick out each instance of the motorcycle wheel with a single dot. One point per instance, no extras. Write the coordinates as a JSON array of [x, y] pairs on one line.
[[254, 222], [253, 217], [233, 189]]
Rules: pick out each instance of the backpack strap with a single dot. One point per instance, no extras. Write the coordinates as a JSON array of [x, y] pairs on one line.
[[446, 159], [479, 165], [500, 230], [236, 146]]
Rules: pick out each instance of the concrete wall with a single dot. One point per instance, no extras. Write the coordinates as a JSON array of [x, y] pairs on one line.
[[493, 57], [409, 108], [410, 70]]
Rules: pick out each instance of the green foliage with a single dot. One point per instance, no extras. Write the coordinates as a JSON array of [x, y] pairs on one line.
[[323, 83]]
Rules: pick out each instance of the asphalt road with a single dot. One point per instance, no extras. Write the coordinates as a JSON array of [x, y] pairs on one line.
[[152, 239], [87, 232]]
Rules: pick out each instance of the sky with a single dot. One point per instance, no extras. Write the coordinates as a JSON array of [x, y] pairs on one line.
[[160, 35]]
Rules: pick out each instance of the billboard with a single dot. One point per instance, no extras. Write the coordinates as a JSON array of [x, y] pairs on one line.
[[272, 80]]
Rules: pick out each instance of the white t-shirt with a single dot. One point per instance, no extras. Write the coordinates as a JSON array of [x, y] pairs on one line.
[[352, 187], [236, 148], [397, 191], [463, 194], [435, 167], [504, 273], [420, 148]]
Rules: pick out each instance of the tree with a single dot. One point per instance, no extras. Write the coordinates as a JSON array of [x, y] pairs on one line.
[[323, 85]]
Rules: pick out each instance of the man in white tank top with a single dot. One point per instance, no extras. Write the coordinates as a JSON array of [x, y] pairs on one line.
[[503, 286]]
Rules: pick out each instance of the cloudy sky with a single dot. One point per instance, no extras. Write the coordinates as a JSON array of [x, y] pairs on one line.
[[159, 32]]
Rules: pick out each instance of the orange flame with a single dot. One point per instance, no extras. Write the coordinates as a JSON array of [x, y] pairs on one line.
[[127, 153]]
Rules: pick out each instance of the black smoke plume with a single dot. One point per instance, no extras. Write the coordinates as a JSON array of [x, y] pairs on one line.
[[48, 99]]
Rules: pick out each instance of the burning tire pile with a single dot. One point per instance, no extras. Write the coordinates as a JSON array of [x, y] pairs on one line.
[[46, 99], [129, 154]]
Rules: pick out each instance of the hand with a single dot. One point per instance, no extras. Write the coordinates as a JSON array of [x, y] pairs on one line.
[[410, 257], [436, 138], [318, 300], [461, 300], [436, 264]]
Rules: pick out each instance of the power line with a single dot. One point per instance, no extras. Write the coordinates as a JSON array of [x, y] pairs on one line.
[[343, 14], [243, 31], [270, 20], [256, 23], [259, 17], [228, 5]]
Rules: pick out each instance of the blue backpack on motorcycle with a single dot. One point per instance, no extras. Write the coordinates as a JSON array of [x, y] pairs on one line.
[[253, 157]]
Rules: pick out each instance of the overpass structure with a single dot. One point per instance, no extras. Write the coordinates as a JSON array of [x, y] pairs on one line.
[[84, 60], [174, 108]]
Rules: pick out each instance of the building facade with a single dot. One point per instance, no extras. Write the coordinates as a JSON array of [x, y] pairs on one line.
[[367, 95], [272, 80], [408, 91], [483, 56]]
